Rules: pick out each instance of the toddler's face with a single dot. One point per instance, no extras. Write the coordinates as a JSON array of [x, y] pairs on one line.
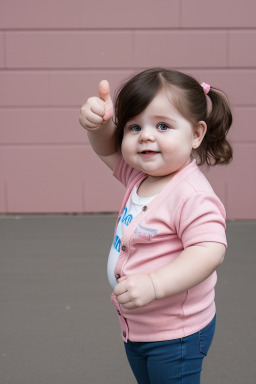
[[159, 141]]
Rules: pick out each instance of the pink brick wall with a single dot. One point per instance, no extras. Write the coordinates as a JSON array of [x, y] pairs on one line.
[[53, 53]]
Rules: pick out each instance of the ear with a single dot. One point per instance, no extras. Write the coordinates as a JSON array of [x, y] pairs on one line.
[[199, 132]]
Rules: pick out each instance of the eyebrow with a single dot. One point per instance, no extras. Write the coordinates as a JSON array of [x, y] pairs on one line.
[[162, 117], [156, 117]]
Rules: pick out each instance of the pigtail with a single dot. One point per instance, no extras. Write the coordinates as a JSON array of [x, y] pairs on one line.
[[215, 148]]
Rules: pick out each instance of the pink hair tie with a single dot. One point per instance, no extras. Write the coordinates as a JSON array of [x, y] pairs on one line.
[[206, 87]]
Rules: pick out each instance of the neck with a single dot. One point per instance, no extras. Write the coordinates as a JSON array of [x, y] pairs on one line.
[[152, 185]]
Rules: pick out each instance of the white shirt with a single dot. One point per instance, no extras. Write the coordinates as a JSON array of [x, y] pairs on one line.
[[132, 208]]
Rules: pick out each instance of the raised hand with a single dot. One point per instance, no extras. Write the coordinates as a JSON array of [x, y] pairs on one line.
[[97, 110]]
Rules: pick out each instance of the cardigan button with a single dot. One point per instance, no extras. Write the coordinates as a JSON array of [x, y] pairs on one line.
[[144, 208], [118, 312], [123, 247], [124, 334], [117, 276]]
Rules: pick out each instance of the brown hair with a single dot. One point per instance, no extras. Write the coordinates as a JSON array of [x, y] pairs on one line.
[[189, 98]]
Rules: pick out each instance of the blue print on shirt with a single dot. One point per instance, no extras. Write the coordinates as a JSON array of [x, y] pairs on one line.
[[126, 219], [117, 243]]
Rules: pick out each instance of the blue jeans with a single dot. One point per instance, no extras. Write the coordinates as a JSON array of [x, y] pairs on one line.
[[176, 361]]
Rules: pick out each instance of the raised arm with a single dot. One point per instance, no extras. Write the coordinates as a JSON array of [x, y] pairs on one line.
[[96, 117]]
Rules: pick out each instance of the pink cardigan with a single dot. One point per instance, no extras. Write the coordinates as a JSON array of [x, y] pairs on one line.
[[185, 212]]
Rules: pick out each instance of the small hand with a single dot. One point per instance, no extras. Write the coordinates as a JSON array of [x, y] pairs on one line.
[[135, 291], [97, 110]]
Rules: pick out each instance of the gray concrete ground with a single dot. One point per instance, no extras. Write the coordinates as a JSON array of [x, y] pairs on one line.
[[58, 325]]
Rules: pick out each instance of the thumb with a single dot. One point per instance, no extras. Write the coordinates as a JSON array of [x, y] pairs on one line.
[[104, 90], [104, 94]]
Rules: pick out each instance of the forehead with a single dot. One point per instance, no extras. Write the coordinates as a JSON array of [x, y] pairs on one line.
[[162, 105]]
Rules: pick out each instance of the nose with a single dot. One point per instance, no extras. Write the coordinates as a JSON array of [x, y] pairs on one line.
[[147, 134]]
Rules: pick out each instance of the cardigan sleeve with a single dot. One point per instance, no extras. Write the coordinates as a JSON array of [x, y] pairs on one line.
[[123, 172], [202, 218]]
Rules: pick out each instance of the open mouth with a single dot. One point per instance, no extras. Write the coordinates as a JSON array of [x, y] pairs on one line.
[[148, 153]]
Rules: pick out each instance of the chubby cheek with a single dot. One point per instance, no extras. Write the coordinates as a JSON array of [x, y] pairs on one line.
[[126, 149], [177, 154]]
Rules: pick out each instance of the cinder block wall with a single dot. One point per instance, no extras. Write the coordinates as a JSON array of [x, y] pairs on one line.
[[53, 53]]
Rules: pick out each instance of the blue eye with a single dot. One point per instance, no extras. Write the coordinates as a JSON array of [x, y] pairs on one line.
[[136, 128], [163, 127]]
